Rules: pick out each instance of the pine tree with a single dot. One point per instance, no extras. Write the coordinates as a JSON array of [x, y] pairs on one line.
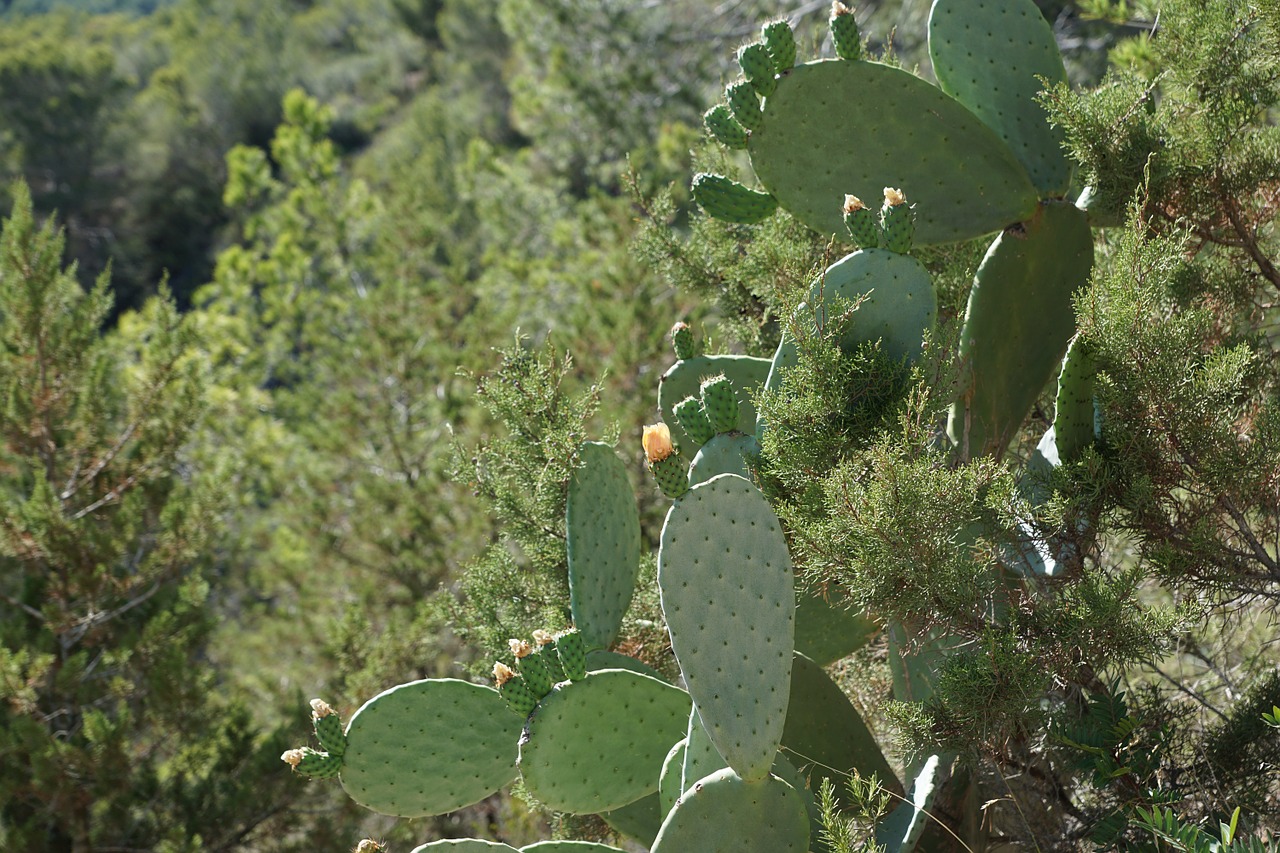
[[111, 730]]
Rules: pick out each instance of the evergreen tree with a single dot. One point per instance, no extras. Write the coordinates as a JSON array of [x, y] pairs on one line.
[[112, 730]]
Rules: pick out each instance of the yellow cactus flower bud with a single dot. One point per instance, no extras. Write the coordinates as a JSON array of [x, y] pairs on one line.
[[657, 442]]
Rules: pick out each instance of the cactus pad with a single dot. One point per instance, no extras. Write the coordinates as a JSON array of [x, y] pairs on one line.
[[780, 41], [731, 201], [728, 595], [569, 847], [816, 144], [1017, 325], [724, 128], [825, 632], [604, 544], [724, 454], [430, 747], [598, 744], [684, 379], [693, 420], [757, 67], [1073, 419], [720, 402], [963, 37], [671, 780], [464, 845], [901, 829], [722, 813], [599, 659], [640, 820], [825, 733]]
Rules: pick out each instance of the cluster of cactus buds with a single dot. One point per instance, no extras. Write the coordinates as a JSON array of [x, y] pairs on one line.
[[548, 661], [318, 764]]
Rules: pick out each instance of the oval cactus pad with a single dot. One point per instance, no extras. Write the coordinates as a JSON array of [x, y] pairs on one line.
[[1017, 325], [836, 127], [430, 747], [640, 820], [722, 813], [604, 544], [684, 378], [728, 595], [825, 735], [598, 744], [464, 845], [963, 38], [569, 847]]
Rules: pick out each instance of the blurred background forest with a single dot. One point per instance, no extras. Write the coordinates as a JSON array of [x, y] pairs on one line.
[[310, 243]]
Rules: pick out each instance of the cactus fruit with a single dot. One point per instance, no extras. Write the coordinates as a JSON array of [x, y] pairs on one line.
[[862, 223], [545, 649], [730, 201], [780, 41], [664, 463], [757, 67], [744, 103], [845, 37], [514, 690], [963, 37], [533, 667], [720, 402], [682, 340], [328, 728], [693, 420], [724, 128], [579, 755], [309, 762], [602, 526], [898, 221], [572, 653]]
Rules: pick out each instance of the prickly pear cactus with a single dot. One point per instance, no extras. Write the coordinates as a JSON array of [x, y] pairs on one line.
[[724, 813], [684, 379], [728, 595], [599, 744]]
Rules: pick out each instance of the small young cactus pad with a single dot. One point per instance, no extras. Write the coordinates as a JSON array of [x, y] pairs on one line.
[[598, 744], [430, 747], [1073, 419], [730, 201], [720, 402], [724, 128], [845, 37], [728, 594], [692, 418], [780, 41], [603, 527]]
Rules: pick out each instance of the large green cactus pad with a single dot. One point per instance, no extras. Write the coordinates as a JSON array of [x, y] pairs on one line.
[[569, 847], [824, 732], [825, 632], [640, 820], [603, 528], [671, 781], [722, 813], [1017, 325], [684, 379], [464, 845], [728, 595], [599, 659], [964, 37], [598, 744], [430, 747], [836, 127], [900, 830]]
